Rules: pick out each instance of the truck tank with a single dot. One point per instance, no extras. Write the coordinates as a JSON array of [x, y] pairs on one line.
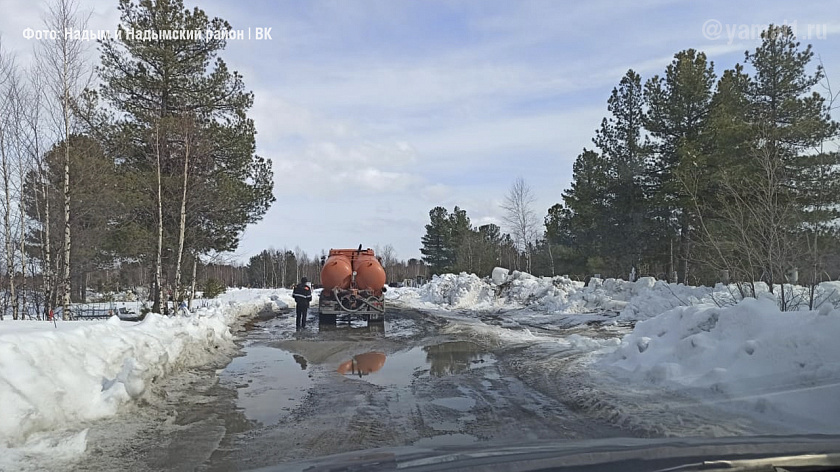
[[369, 273], [337, 272], [353, 284]]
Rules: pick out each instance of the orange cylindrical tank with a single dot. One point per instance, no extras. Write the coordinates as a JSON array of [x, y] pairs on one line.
[[337, 272], [370, 275]]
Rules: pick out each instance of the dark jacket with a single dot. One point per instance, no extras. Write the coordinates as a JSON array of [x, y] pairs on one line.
[[302, 294]]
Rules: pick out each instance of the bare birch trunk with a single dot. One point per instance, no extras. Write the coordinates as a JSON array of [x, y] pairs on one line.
[[158, 260], [37, 204], [22, 212], [66, 275], [550, 258], [49, 278], [44, 236], [192, 289], [283, 268], [7, 225], [65, 107], [183, 222]]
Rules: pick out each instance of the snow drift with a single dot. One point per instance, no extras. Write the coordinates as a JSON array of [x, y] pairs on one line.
[[781, 366], [630, 300], [740, 355], [54, 378]]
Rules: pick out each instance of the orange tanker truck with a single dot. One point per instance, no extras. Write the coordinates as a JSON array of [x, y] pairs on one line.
[[354, 282]]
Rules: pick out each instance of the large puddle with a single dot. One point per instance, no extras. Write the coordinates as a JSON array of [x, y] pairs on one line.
[[273, 379], [270, 382]]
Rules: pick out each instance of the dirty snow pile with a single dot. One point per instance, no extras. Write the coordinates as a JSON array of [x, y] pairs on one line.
[[781, 367], [53, 378], [740, 355], [630, 301], [504, 291]]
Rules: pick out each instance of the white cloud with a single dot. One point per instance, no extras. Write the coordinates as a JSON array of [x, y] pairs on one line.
[[360, 106], [436, 192]]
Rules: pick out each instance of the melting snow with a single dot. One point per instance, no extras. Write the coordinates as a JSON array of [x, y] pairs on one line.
[[53, 378]]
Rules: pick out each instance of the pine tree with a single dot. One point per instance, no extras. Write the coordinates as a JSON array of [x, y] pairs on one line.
[[782, 103], [677, 110], [628, 239], [93, 207], [437, 244], [183, 128], [770, 199], [461, 240], [583, 223], [791, 120]]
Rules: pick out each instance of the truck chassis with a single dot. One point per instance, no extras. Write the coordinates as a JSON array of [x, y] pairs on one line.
[[346, 305]]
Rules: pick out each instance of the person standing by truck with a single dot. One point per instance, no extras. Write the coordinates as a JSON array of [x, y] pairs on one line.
[[303, 295]]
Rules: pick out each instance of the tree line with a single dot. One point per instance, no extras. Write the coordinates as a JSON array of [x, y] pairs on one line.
[[693, 177], [273, 268], [145, 160]]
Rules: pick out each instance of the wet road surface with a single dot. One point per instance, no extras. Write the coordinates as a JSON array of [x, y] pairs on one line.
[[335, 388]]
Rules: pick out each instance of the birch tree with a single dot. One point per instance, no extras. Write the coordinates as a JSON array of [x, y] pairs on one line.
[[40, 201], [520, 218], [187, 131], [7, 72], [64, 63], [159, 251]]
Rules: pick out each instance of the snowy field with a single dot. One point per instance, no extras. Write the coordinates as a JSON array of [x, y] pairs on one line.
[[782, 368], [56, 377]]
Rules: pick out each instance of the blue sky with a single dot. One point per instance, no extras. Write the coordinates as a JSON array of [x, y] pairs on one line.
[[374, 112]]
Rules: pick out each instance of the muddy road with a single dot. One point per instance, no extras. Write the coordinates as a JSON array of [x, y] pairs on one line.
[[328, 389]]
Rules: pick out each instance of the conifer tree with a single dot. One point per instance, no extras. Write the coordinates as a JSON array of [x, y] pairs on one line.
[[677, 110], [186, 144], [437, 243], [582, 224], [628, 239]]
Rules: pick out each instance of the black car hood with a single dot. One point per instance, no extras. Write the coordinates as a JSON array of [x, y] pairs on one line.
[[618, 454]]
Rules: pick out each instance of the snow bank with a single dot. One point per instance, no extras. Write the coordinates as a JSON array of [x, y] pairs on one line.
[[458, 291], [52, 379], [780, 366], [630, 301], [739, 356], [641, 299]]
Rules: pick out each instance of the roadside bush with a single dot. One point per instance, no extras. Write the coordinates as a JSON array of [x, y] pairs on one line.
[[213, 288]]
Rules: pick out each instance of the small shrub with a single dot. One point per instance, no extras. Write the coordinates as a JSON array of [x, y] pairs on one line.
[[213, 288]]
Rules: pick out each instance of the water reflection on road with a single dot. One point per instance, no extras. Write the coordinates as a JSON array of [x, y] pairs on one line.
[[269, 382], [438, 360], [276, 373], [455, 357], [363, 364]]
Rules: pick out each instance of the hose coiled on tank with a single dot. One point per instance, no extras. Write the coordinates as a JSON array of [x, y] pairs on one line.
[[365, 301]]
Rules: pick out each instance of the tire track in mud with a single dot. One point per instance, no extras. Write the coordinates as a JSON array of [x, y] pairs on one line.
[[572, 377]]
